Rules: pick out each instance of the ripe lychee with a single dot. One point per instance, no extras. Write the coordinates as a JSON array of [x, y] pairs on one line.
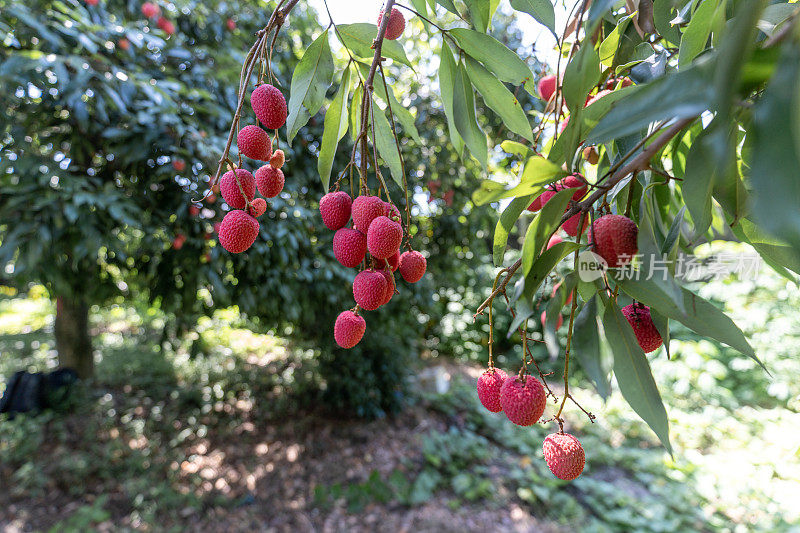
[[384, 237], [394, 261], [257, 207], [278, 159], [639, 318], [177, 242], [615, 239], [349, 329], [179, 165], [564, 455], [546, 87], [397, 23], [150, 10], [392, 211], [230, 190], [390, 286], [238, 231], [489, 385], [124, 44], [194, 210], [231, 24], [269, 105], [166, 26], [335, 209], [574, 181], [254, 143], [572, 224], [369, 289], [412, 266], [365, 210], [523, 400], [269, 181], [349, 247], [92, 2]]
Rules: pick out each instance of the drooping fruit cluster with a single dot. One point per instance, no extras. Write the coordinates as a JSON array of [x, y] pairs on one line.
[[375, 229], [615, 239], [396, 25], [239, 228], [647, 335], [575, 181]]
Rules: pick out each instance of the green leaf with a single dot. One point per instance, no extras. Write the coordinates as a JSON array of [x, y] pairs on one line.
[[449, 5], [464, 116], [774, 251], [479, 13], [334, 129], [541, 10], [401, 113], [504, 226], [580, 76], [633, 373], [448, 71], [596, 13], [663, 14], [543, 226], [610, 45], [311, 78], [359, 37], [537, 172], [695, 36], [586, 347], [674, 233], [543, 265], [496, 57], [662, 326], [515, 148], [698, 182], [499, 99], [387, 147], [355, 112]]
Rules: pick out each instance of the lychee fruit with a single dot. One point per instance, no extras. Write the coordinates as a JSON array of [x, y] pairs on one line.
[[349, 329], [269, 105], [257, 207], [278, 159], [392, 211], [369, 289], [238, 231], [396, 25], [194, 210], [390, 286], [254, 143], [489, 385], [624, 82], [177, 242], [523, 400], [92, 2], [546, 87], [124, 44], [572, 224], [230, 190], [349, 247], [231, 24], [150, 10], [335, 209], [615, 239], [570, 182], [179, 165], [269, 181], [555, 239], [365, 210], [639, 318], [384, 237], [564, 455], [412, 266], [595, 98], [166, 26], [394, 261]]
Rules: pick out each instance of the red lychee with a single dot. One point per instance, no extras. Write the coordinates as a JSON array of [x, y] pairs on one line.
[[166, 26], [523, 400], [564, 455], [639, 318], [269, 105], [177, 242], [412, 266], [150, 10], [555, 239], [278, 159], [624, 82], [231, 24], [572, 224], [194, 210], [179, 165], [489, 385], [257, 207], [230, 190], [575, 181], [269, 181], [394, 261], [254, 143], [615, 239], [547, 87], [384, 237], [396, 25], [392, 211], [335, 209], [124, 44], [349, 247], [349, 329], [369, 289], [92, 2], [238, 231], [390, 286], [365, 210]]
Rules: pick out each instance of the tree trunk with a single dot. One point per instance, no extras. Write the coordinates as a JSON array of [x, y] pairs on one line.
[[73, 342]]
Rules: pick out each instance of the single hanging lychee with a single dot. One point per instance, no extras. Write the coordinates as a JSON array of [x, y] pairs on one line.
[[489, 385], [349, 329], [269, 105], [564, 455], [335, 209], [523, 400]]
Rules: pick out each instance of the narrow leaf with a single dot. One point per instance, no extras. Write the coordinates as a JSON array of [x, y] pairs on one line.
[[464, 116], [359, 37], [448, 71], [334, 129], [541, 10], [496, 57], [499, 99], [311, 78], [586, 347], [386, 144], [504, 226]]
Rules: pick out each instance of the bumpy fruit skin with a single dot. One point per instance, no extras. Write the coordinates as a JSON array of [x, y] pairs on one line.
[[335, 209], [257, 207], [278, 159], [394, 261], [150, 10], [412, 266], [254, 143], [349, 247], [390, 286], [546, 87], [349, 329], [369, 289], [365, 210], [392, 211], [384, 237], [166, 26], [639, 318], [397, 23], [269, 181], [194, 210], [523, 403], [238, 231], [615, 239], [489, 385], [230, 190], [564, 455], [269, 105], [572, 224]]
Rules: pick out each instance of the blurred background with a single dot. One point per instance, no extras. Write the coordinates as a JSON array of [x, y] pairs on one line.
[[214, 397]]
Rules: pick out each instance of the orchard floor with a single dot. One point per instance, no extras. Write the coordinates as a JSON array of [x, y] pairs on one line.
[[165, 441]]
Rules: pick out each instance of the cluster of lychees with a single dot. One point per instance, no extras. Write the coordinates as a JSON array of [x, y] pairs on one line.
[[376, 229], [239, 228], [152, 11]]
